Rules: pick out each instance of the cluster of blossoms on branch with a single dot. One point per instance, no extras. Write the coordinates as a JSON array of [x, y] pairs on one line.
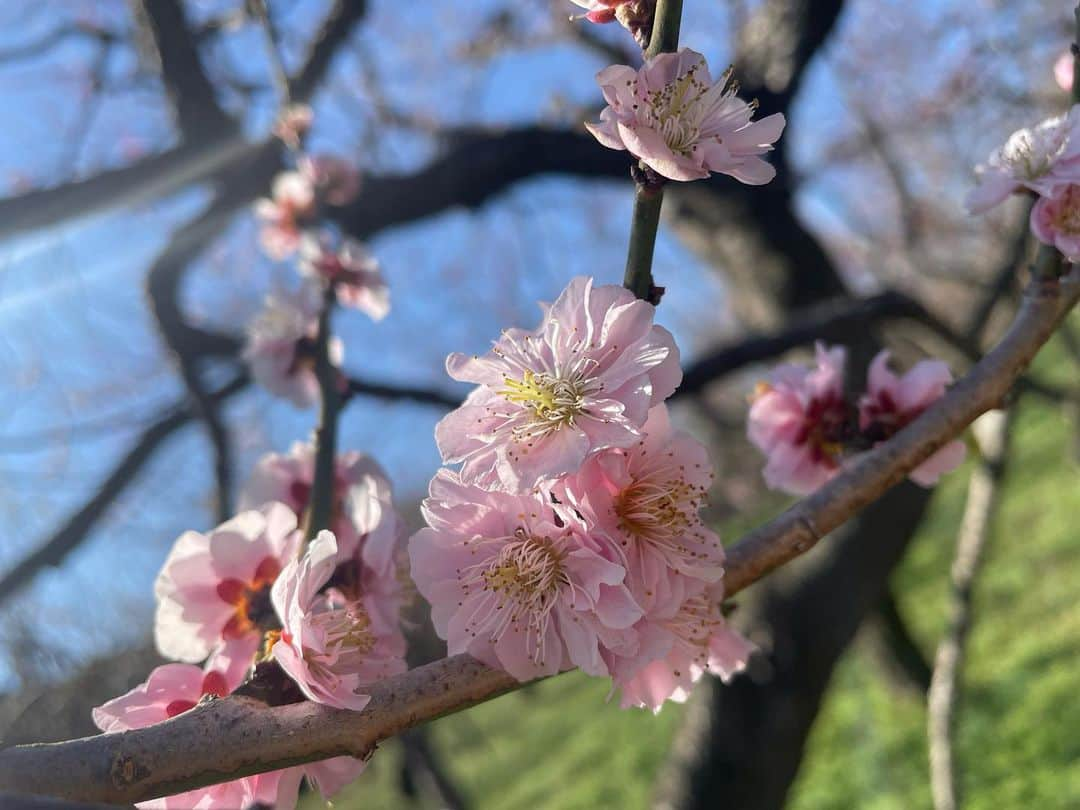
[[247, 592], [570, 535], [806, 425], [281, 338], [1043, 160], [251, 594]]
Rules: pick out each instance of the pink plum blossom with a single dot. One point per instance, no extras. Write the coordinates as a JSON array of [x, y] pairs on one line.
[[364, 520], [799, 420], [293, 124], [329, 645], [892, 402], [170, 690], [696, 640], [1043, 158], [672, 117], [173, 689], [291, 205], [582, 382], [1056, 221], [280, 348], [1063, 70], [518, 585], [213, 591], [646, 499], [336, 181], [599, 11], [355, 274]]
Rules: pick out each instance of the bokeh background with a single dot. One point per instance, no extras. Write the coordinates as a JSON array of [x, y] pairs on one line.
[[137, 139]]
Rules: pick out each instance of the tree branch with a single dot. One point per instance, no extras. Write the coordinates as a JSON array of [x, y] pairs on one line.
[[949, 662], [52, 551], [236, 736]]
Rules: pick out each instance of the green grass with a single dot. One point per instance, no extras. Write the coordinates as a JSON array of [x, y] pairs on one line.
[[559, 746]]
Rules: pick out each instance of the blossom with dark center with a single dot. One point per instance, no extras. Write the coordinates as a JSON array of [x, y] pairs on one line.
[[213, 591], [800, 421]]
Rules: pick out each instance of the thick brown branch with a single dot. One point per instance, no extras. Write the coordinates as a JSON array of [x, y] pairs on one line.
[[236, 736]]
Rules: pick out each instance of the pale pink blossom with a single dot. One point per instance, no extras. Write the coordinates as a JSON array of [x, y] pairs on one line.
[[646, 499], [213, 593], [355, 273], [335, 180], [696, 640], [293, 124], [170, 690], [329, 644], [1056, 221], [517, 585], [281, 348], [1043, 158], [363, 518], [1063, 70], [599, 11], [672, 117], [283, 216], [582, 382], [173, 689], [892, 402], [799, 420]]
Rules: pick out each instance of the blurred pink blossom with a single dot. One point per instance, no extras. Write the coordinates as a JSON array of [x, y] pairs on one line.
[[1043, 158], [1056, 221], [518, 585], [329, 645], [293, 124], [799, 420], [1063, 70], [599, 11], [292, 203], [671, 116], [355, 274], [697, 640], [892, 402], [364, 521], [335, 180], [213, 591], [646, 499], [582, 382], [280, 348]]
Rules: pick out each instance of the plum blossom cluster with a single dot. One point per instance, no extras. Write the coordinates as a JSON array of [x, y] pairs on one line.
[[247, 592], [1043, 160], [806, 426], [678, 122], [570, 535], [281, 339]]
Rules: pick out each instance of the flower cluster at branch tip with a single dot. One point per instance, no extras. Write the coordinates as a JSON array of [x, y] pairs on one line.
[[571, 534], [672, 117], [282, 338], [245, 593], [1043, 160], [806, 426]]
